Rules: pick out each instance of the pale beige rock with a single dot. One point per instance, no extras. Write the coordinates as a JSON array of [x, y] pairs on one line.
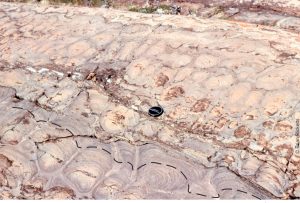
[[98, 102], [206, 61], [253, 98], [117, 120], [238, 92], [52, 156], [175, 60], [275, 79], [221, 81], [85, 169], [76, 85], [274, 101]]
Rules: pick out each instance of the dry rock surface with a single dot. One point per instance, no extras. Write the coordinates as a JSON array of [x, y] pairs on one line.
[[76, 85]]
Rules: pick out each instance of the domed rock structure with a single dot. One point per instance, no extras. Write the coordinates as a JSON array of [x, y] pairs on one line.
[[76, 85]]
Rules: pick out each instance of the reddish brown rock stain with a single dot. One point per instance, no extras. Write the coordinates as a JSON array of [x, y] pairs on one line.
[[242, 131], [118, 118], [268, 124], [281, 126], [174, 92], [201, 105], [161, 80]]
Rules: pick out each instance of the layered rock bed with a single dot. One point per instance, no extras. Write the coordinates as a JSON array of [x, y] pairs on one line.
[[76, 85]]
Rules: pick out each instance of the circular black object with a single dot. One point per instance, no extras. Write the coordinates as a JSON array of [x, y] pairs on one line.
[[155, 111]]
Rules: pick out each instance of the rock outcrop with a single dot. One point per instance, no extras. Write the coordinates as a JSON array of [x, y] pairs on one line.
[[76, 85]]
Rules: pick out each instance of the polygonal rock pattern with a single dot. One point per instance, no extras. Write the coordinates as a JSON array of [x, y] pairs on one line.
[[76, 85]]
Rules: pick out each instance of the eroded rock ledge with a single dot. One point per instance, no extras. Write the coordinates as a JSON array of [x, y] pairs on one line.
[[76, 84]]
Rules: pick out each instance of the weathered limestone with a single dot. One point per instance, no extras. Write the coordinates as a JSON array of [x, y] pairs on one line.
[[76, 85]]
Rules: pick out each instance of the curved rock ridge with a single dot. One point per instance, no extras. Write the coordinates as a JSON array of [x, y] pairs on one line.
[[87, 168], [76, 85]]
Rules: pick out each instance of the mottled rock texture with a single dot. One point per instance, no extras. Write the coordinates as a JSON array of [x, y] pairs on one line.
[[217, 8], [76, 85]]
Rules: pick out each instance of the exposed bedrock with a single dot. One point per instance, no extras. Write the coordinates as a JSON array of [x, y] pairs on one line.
[[76, 85]]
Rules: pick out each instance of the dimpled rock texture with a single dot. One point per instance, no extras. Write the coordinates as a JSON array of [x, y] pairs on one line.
[[76, 85]]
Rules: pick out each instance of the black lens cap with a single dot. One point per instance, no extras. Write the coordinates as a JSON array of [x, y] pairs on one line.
[[155, 111]]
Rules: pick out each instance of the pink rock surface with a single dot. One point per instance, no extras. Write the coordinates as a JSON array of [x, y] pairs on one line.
[[76, 85]]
